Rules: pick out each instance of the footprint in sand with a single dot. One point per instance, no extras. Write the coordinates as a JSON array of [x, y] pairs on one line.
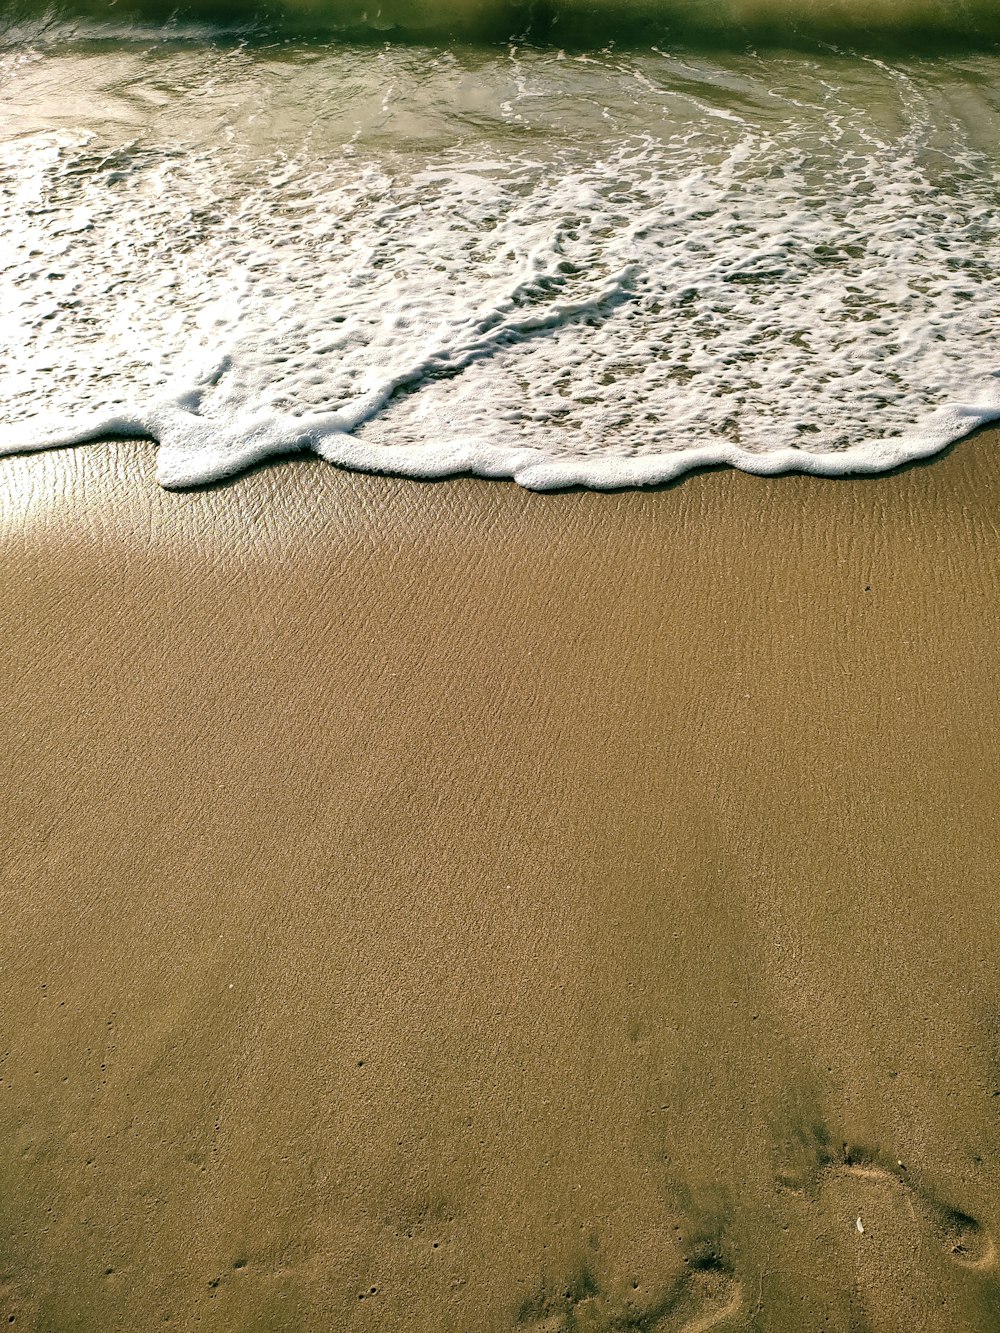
[[704, 1297], [824, 1169], [960, 1236], [890, 1251]]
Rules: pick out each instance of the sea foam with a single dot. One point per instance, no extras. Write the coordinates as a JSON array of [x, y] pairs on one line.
[[600, 270]]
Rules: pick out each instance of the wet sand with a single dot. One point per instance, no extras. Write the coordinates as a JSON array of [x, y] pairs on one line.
[[446, 908]]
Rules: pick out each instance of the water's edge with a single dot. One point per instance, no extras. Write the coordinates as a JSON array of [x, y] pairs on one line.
[[184, 462]]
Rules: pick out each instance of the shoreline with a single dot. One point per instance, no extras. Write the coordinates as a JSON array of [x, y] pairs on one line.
[[444, 906], [186, 459]]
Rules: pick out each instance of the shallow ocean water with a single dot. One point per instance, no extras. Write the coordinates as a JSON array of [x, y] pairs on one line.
[[598, 265]]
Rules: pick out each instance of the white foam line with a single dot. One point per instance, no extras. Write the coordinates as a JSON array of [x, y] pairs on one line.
[[485, 336], [195, 451], [605, 472]]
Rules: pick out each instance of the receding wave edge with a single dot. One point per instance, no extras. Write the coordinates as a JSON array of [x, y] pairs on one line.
[[194, 451]]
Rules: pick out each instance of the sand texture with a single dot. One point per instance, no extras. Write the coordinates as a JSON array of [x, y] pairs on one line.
[[442, 908]]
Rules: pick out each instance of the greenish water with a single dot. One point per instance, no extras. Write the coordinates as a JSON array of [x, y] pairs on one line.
[[925, 25]]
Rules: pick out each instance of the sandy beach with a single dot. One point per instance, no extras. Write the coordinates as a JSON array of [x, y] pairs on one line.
[[445, 908]]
